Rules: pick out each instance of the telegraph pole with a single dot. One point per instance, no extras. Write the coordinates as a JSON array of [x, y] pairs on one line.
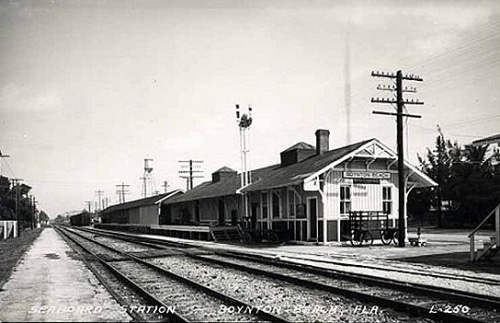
[[190, 177], [99, 194], [121, 192], [89, 206], [400, 105], [34, 218], [15, 183], [165, 186]]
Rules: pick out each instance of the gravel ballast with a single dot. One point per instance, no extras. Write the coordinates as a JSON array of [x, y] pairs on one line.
[[293, 302]]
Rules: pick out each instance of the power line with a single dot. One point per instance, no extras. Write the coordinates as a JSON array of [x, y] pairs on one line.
[[165, 186], [15, 183], [189, 178], [99, 193], [121, 192], [400, 103], [89, 206]]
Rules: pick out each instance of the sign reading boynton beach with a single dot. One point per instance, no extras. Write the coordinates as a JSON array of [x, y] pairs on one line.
[[366, 174]]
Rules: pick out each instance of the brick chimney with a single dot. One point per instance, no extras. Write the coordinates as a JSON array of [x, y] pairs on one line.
[[322, 141]]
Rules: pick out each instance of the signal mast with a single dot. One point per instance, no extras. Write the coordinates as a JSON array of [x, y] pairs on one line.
[[244, 121]]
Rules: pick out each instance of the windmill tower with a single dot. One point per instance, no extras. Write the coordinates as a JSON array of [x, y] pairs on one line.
[[244, 121], [147, 178]]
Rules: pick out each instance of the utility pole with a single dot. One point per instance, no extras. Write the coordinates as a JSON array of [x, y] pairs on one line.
[[400, 106], [89, 206], [15, 183], [121, 192], [190, 177], [34, 218], [165, 186], [99, 194]]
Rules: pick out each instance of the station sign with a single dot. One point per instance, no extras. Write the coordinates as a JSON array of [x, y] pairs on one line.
[[366, 174]]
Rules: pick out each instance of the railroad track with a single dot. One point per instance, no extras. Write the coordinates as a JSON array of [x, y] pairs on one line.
[[184, 299], [386, 267], [434, 303], [128, 294], [391, 266]]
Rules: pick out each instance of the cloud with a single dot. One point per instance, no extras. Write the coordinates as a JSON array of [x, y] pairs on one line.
[[21, 98]]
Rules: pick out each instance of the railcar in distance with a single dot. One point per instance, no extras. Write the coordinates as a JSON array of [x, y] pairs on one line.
[[80, 220]]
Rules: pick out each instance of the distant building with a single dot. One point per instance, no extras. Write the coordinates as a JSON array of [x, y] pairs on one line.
[[145, 211], [308, 195], [492, 156]]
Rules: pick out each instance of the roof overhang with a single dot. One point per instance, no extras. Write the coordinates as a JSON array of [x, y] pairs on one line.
[[374, 149], [173, 193], [495, 139]]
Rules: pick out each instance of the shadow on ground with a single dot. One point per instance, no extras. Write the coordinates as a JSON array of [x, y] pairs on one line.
[[459, 260]]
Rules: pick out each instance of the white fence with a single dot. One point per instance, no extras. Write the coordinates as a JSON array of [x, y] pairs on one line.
[[8, 229]]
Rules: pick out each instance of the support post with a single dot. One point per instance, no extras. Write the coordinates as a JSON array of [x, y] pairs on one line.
[[472, 248], [497, 226]]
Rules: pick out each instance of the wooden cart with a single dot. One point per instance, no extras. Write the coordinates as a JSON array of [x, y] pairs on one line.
[[364, 225]]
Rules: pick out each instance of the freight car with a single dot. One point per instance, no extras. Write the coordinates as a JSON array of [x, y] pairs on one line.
[[80, 220]]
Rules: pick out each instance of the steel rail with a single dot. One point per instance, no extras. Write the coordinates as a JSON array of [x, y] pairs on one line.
[[477, 299], [339, 273], [100, 277], [172, 316], [426, 290], [394, 304], [221, 296], [400, 270]]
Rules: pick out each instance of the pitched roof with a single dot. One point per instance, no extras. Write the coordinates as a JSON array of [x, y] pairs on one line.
[[488, 140], [225, 169], [148, 201], [296, 173], [228, 186], [300, 145], [268, 177]]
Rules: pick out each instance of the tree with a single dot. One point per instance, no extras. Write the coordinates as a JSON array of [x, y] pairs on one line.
[[475, 183], [465, 176], [43, 217], [438, 165], [15, 204], [7, 201]]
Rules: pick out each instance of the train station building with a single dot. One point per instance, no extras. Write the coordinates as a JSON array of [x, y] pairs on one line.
[[308, 196], [143, 211]]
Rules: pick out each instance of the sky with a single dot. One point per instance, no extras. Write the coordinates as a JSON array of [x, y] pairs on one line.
[[89, 89]]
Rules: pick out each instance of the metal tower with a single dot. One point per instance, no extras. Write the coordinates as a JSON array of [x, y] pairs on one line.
[[244, 121], [147, 178]]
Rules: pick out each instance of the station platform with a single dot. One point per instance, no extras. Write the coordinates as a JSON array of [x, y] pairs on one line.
[[51, 284], [443, 248], [442, 262]]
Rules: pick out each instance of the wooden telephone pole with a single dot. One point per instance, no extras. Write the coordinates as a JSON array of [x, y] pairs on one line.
[[400, 106], [121, 191], [190, 177]]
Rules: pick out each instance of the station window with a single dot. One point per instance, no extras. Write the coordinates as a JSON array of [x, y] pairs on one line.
[[291, 204], [345, 200], [264, 205], [387, 199], [276, 205]]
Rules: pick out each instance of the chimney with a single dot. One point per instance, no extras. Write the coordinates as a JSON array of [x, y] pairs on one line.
[[322, 144]]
